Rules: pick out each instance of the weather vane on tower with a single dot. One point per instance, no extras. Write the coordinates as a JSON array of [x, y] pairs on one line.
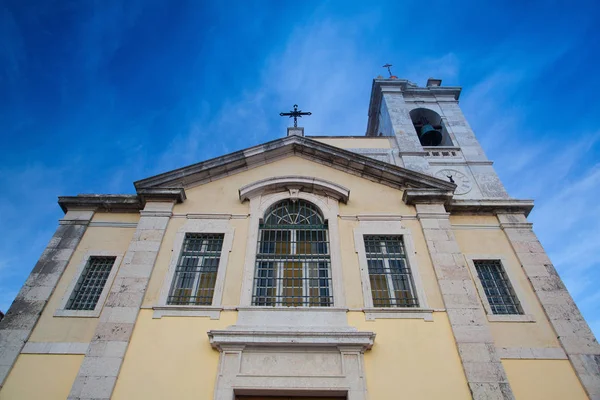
[[295, 114]]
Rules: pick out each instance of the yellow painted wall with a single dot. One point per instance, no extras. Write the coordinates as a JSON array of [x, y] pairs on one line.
[[170, 358], [543, 380], [412, 359], [408, 356], [361, 142], [132, 217], [71, 329], [351, 269], [222, 196], [41, 376], [509, 334]]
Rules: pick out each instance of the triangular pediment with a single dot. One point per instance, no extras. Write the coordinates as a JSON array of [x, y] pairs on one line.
[[334, 157]]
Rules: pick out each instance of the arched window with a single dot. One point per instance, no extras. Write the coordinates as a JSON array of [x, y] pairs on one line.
[[292, 259]]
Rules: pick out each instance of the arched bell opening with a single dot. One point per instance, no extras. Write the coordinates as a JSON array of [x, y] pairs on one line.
[[430, 128]]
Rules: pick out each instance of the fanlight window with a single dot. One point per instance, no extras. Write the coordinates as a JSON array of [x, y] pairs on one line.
[[292, 261]]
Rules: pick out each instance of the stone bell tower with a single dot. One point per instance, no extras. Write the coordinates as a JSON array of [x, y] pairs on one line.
[[432, 135]]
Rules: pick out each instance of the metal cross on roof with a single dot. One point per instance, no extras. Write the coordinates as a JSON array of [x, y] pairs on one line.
[[296, 114], [388, 68]]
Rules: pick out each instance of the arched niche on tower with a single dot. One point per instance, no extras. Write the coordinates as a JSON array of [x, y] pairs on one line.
[[422, 117]]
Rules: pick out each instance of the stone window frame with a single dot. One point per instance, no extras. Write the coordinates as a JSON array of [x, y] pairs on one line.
[[62, 311], [197, 225], [527, 315], [329, 207], [394, 228]]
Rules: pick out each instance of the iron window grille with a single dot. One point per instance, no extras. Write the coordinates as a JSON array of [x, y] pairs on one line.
[[391, 280], [496, 285], [196, 270], [293, 258], [91, 283]]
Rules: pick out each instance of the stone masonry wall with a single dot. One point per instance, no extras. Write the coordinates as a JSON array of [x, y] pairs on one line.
[[572, 331], [484, 371], [25, 311]]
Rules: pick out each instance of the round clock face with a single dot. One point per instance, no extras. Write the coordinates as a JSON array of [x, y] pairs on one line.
[[463, 183]]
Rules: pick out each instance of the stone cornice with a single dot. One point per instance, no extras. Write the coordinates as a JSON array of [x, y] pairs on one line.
[[490, 206], [304, 183], [276, 338], [176, 195], [344, 160], [427, 196], [100, 202], [120, 202]]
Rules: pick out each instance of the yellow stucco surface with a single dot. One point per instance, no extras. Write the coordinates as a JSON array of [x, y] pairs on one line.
[[116, 217], [351, 269], [170, 358], [41, 376], [221, 196], [412, 359], [72, 329], [494, 244], [358, 142], [543, 380]]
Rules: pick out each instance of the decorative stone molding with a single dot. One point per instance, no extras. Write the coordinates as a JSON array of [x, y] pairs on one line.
[[371, 314], [213, 312], [375, 217], [414, 196], [291, 351], [490, 206], [113, 224], [161, 194], [101, 202], [25, 311], [331, 156], [295, 183], [223, 339]]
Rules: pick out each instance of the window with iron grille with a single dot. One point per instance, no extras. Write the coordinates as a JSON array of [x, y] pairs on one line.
[[391, 280], [196, 270], [498, 290], [292, 259], [89, 287]]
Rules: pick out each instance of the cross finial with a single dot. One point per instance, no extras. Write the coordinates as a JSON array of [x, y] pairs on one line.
[[295, 113], [390, 71]]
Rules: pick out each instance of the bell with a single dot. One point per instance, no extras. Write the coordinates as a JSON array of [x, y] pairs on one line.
[[429, 136]]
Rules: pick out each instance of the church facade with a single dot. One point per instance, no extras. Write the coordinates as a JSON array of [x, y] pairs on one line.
[[387, 266]]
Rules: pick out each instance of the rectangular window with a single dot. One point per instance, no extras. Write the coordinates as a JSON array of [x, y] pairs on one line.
[[389, 274], [89, 287], [196, 271], [497, 287]]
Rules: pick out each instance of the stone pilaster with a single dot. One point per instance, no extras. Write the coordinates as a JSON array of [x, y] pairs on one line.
[[572, 331], [25, 311], [484, 371], [98, 373]]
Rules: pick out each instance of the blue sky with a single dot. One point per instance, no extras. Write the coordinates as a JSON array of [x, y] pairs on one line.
[[96, 95]]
